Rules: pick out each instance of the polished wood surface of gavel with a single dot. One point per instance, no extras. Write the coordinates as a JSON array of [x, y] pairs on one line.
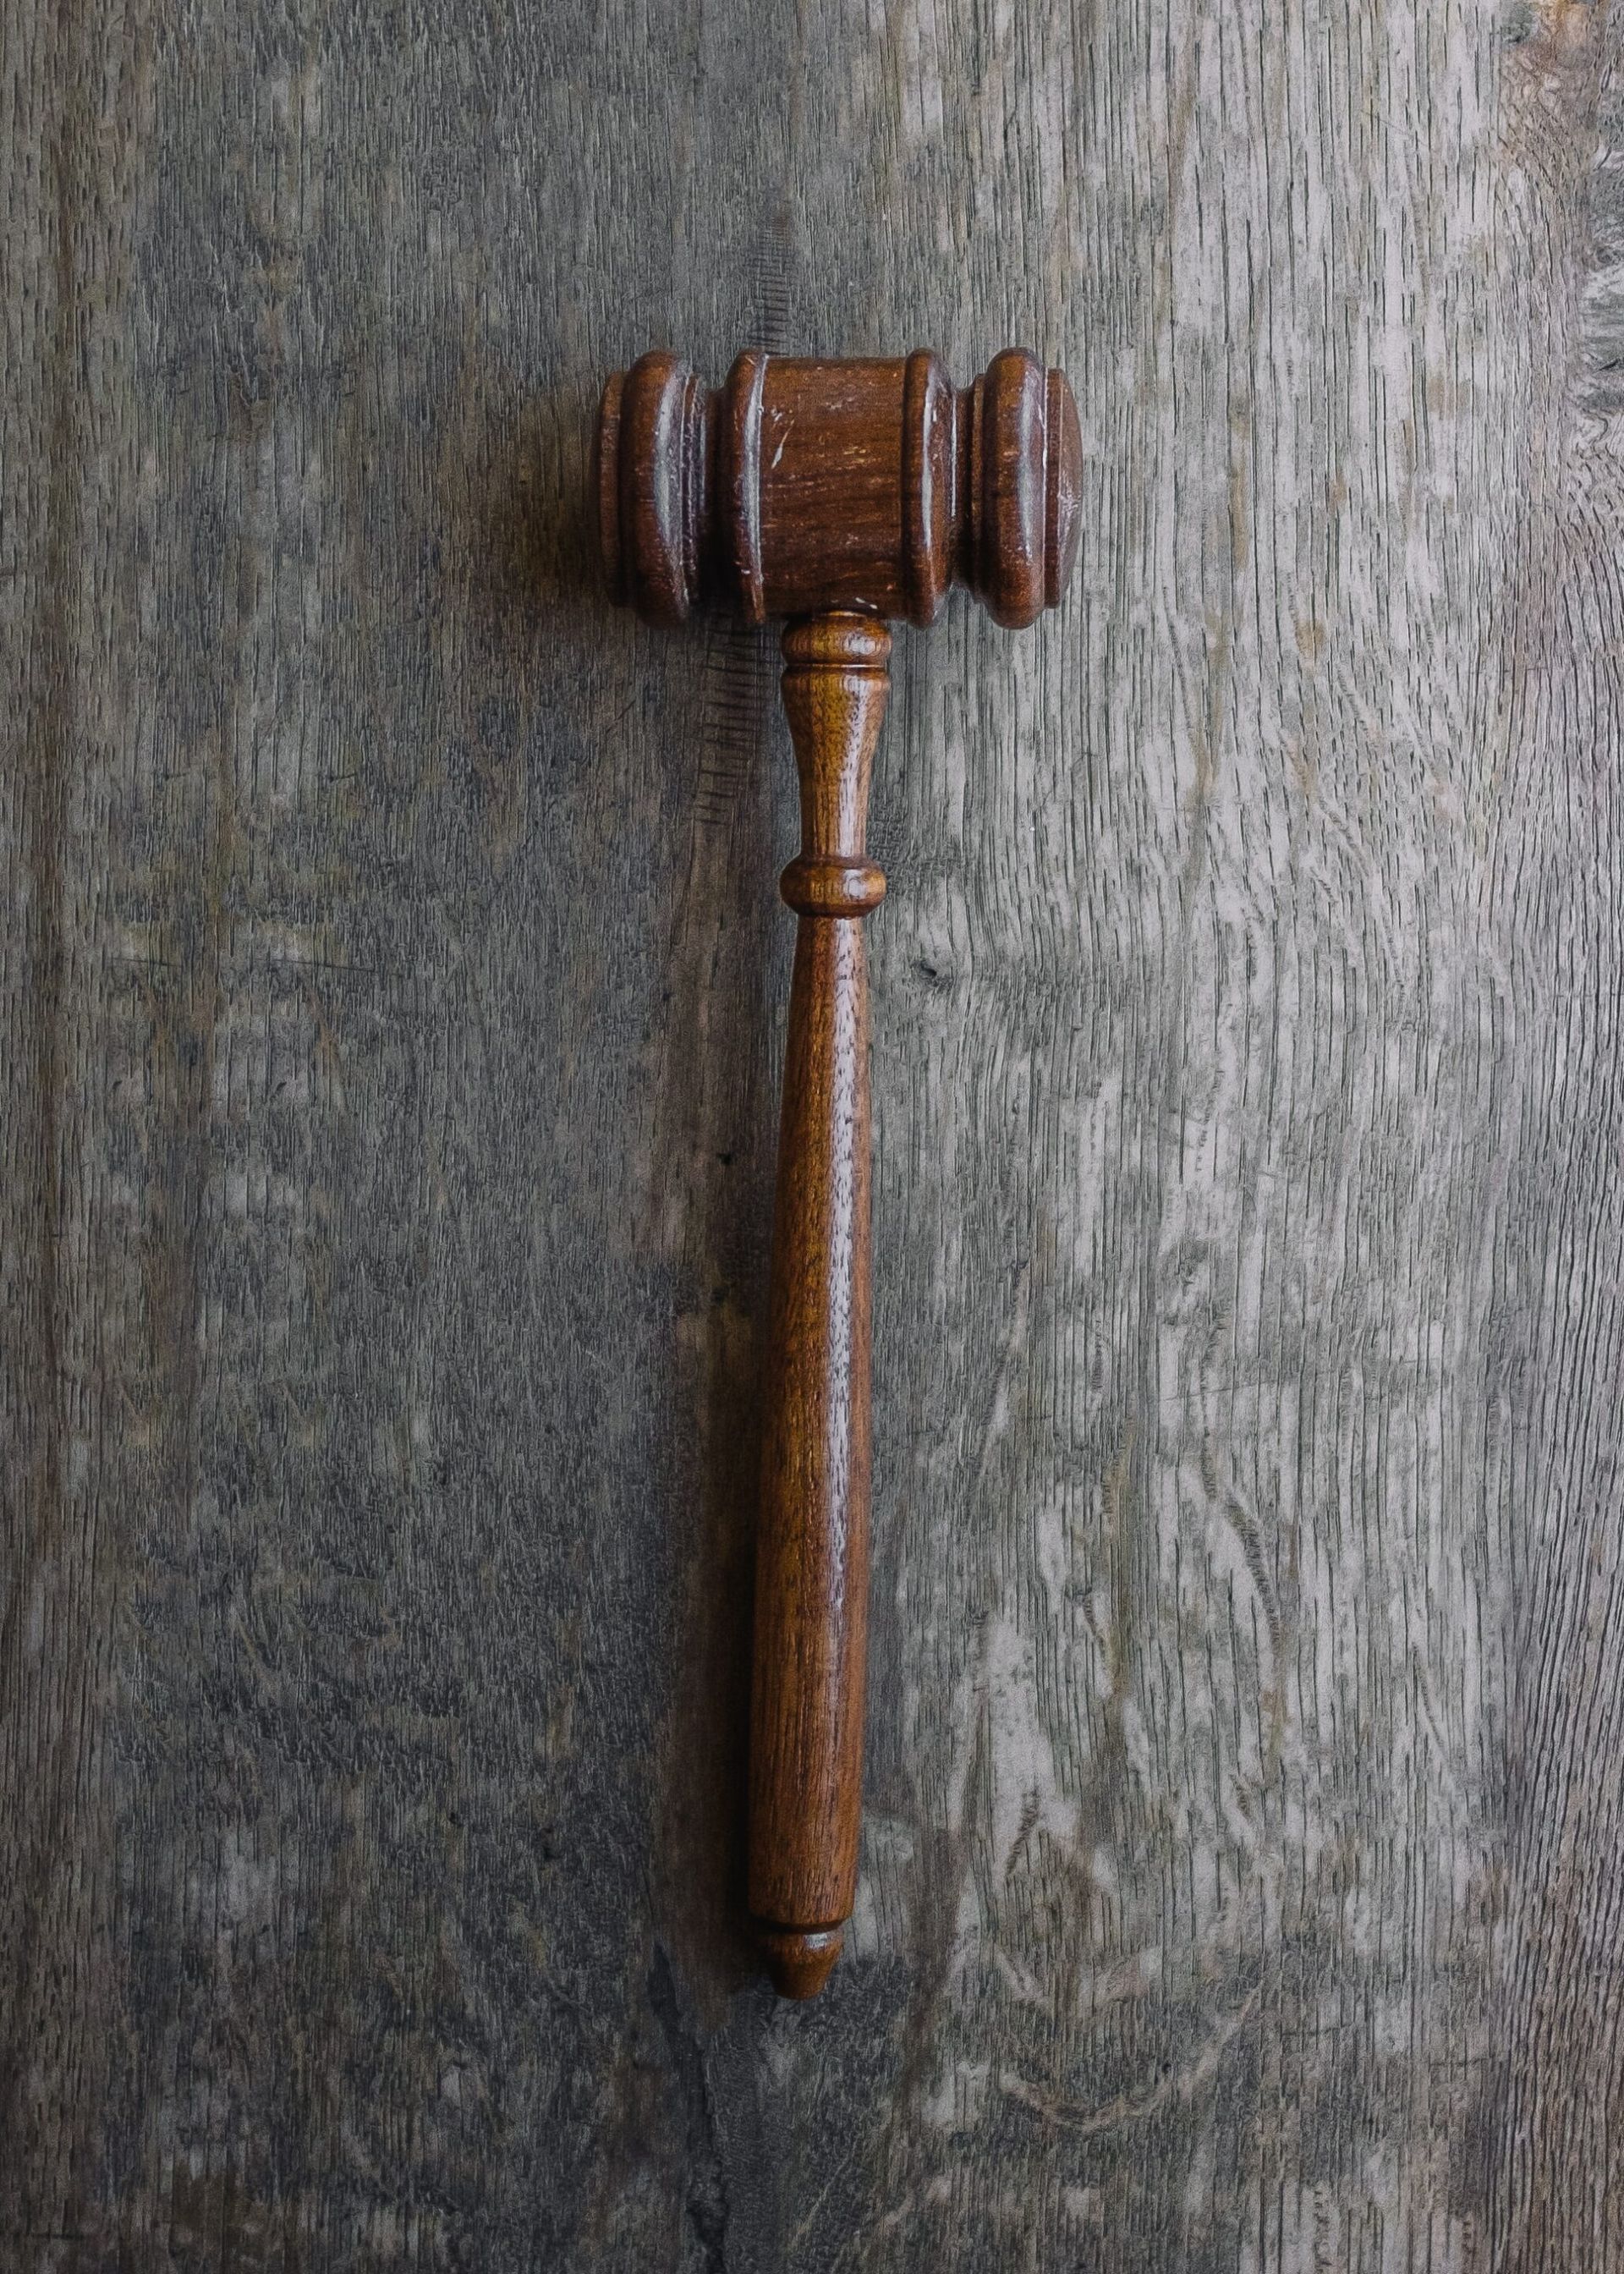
[[839, 495]]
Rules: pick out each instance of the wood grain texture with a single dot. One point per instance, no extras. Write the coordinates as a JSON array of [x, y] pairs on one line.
[[806, 484], [388, 1110], [811, 1622]]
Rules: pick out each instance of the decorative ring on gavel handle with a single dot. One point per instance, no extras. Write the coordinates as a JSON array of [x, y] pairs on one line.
[[839, 495]]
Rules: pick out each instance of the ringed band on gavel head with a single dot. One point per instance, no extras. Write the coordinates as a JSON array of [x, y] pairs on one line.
[[801, 486]]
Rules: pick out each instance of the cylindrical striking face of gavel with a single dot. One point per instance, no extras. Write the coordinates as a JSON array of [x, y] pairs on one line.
[[800, 486], [839, 495]]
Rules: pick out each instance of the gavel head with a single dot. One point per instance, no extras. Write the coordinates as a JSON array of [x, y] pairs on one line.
[[803, 485]]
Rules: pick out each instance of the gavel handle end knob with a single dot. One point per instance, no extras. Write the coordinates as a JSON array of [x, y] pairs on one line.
[[799, 1959]]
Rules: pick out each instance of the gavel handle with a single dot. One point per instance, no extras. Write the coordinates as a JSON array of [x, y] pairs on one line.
[[812, 1552]]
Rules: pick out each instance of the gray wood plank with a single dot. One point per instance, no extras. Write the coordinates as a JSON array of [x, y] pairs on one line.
[[1561, 1341], [393, 984]]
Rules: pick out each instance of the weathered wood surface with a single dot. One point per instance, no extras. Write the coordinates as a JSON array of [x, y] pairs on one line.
[[393, 968]]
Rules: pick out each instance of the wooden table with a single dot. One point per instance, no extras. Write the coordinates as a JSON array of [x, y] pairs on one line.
[[392, 973]]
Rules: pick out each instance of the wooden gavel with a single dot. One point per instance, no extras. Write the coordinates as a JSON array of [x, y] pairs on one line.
[[837, 494]]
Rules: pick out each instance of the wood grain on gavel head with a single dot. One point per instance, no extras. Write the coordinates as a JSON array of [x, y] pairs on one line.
[[801, 486]]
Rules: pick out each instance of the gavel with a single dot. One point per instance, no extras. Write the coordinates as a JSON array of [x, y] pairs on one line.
[[839, 494]]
